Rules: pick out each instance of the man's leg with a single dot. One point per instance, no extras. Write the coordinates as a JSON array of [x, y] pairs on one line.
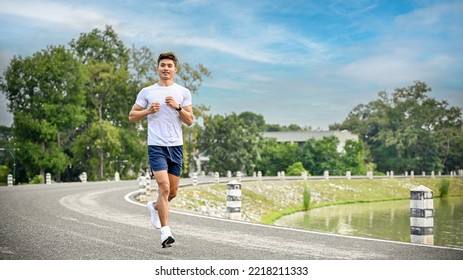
[[162, 203]]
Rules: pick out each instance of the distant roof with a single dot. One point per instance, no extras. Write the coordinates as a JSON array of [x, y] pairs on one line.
[[303, 136]]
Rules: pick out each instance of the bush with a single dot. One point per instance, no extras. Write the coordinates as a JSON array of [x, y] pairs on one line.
[[444, 188], [4, 171], [38, 179], [296, 169], [306, 198]]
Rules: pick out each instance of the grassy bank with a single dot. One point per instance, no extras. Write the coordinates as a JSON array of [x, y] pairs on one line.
[[266, 201]]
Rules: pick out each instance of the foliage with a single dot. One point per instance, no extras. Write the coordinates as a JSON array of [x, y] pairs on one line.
[[275, 157], [318, 156], [46, 94], [295, 169], [444, 185], [229, 144], [306, 198], [408, 130]]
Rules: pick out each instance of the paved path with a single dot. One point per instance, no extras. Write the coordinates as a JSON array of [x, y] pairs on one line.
[[95, 221]]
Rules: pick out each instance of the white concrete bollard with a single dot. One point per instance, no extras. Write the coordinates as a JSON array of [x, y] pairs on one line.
[[326, 174], [48, 179], [283, 175], [254, 174], [238, 176], [423, 173], [392, 174], [142, 187], [195, 179], [259, 175], [406, 173], [304, 175], [10, 180], [117, 177], [234, 200], [148, 183], [348, 175], [216, 177], [412, 174], [370, 174], [83, 177], [433, 175], [422, 215]]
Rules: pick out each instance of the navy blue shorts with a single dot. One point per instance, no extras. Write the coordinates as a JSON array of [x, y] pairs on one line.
[[166, 158]]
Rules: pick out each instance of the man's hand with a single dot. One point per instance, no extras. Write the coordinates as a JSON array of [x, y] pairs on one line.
[[171, 102], [154, 107]]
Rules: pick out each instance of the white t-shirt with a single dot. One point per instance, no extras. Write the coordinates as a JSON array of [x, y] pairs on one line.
[[164, 126]]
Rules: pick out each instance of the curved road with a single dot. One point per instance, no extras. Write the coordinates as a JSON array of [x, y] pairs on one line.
[[92, 221]]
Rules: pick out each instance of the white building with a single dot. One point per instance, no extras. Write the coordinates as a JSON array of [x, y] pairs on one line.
[[302, 136]]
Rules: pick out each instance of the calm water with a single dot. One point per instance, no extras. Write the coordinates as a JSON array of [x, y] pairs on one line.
[[384, 220]]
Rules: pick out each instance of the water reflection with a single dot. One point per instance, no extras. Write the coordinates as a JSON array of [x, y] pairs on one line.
[[384, 220]]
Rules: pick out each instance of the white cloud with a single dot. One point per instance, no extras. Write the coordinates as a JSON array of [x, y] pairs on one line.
[[61, 15]]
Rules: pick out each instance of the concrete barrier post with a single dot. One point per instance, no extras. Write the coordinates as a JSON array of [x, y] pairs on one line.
[[117, 176], [406, 173], [326, 174], [432, 174], [348, 175], [422, 216], [83, 177], [412, 174], [10, 180], [392, 174], [238, 176], [48, 179], [259, 175], [142, 187], [195, 179], [216, 177], [234, 200], [148, 183], [229, 174], [304, 175], [283, 175]]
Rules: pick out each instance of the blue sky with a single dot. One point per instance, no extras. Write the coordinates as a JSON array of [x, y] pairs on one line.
[[294, 62]]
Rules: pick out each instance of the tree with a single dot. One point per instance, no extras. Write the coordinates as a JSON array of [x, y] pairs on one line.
[[230, 145], [106, 59], [46, 94], [276, 157], [353, 158], [408, 130], [321, 155]]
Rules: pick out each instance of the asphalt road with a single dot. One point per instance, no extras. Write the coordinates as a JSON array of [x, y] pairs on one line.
[[93, 221]]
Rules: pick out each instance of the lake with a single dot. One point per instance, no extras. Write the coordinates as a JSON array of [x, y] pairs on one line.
[[384, 220]]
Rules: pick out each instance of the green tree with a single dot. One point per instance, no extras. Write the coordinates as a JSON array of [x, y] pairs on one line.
[[353, 158], [108, 98], [408, 130], [229, 144], [321, 155], [276, 157], [295, 169], [46, 96]]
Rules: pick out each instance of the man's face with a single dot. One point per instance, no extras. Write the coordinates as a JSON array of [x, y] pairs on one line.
[[166, 69]]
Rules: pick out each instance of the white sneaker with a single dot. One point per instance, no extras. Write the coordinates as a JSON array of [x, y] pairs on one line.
[[154, 215], [166, 237]]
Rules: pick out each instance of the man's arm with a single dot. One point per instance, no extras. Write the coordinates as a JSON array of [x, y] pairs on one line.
[[186, 115], [138, 113]]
